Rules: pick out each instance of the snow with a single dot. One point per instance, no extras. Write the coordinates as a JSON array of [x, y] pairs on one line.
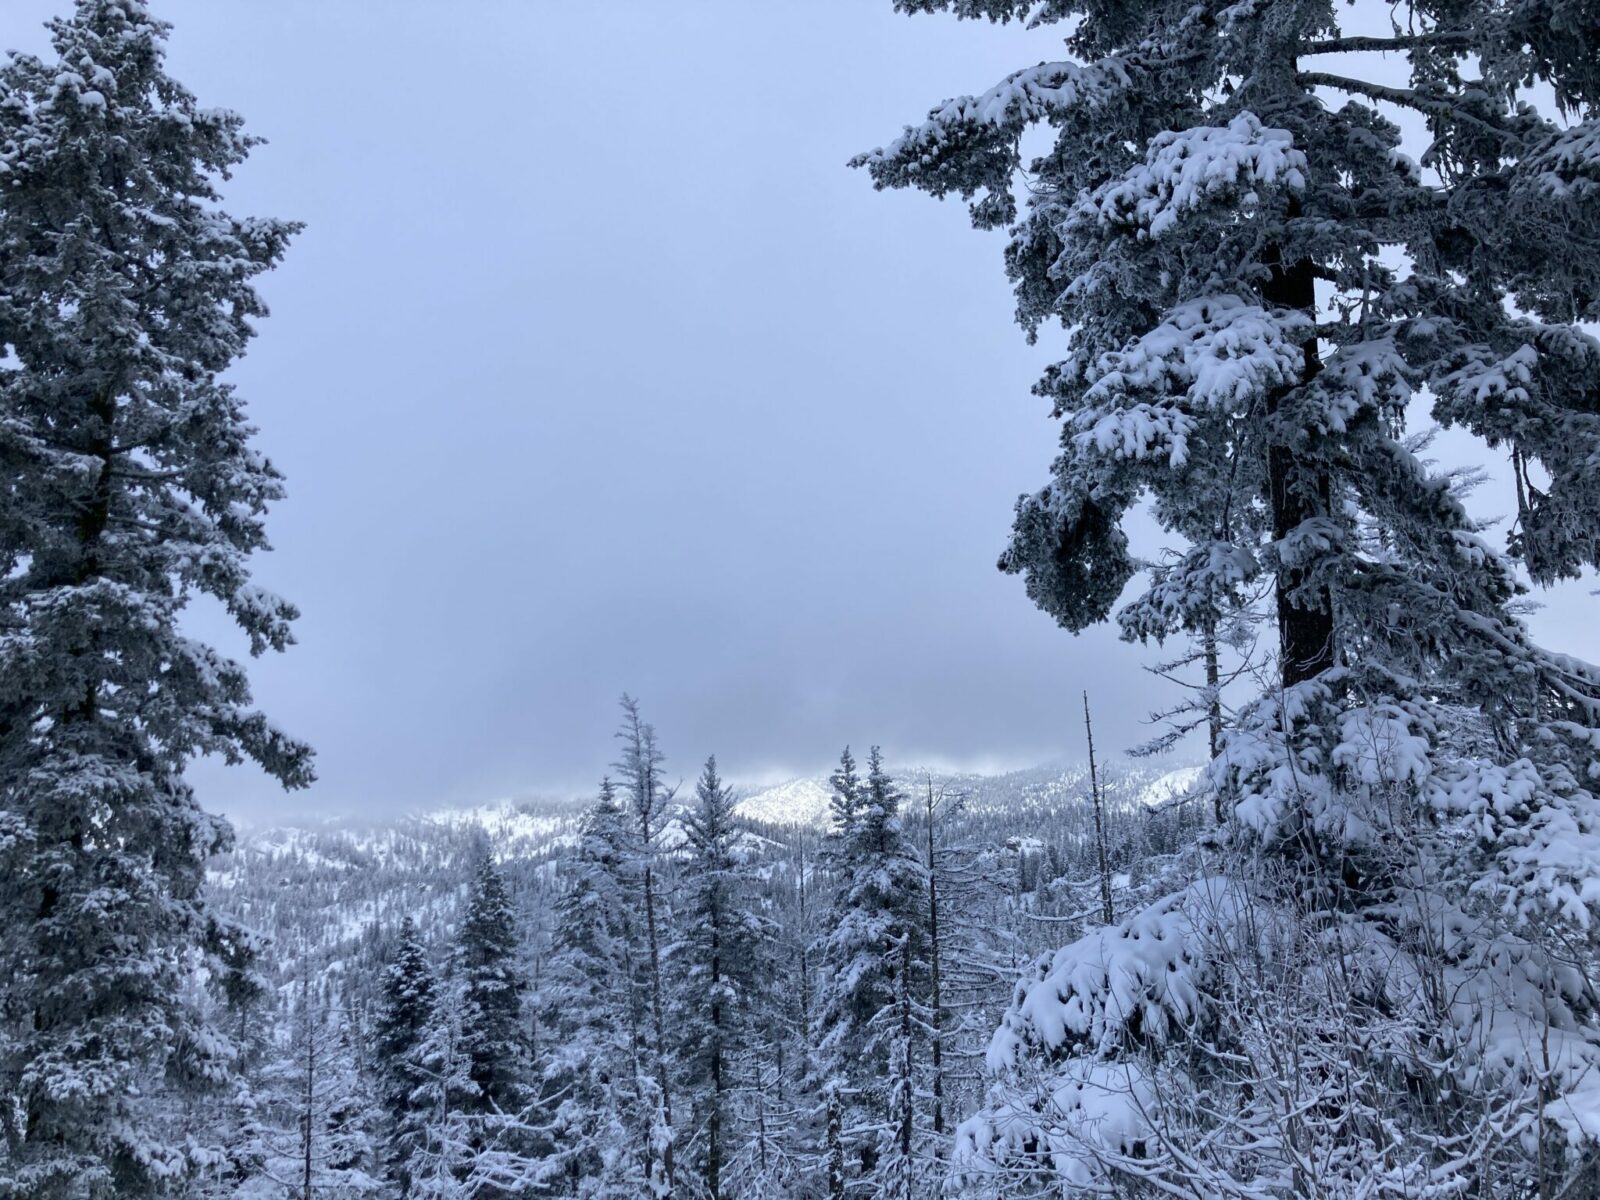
[[1186, 169], [1145, 974], [1215, 353], [1026, 96], [1092, 1108], [1171, 786], [1568, 166], [513, 829], [802, 802]]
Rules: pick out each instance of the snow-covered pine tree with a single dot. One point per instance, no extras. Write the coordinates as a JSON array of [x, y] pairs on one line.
[[844, 798], [351, 1133], [723, 966], [314, 1137], [330, 1116], [451, 1140], [897, 1175], [407, 1011], [1208, 595], [484, 969], [639, 769], [776, 1123], [131, 485], [480, 1134], [875, 937], [236, 1122], [936, 805], [977, 953], [1218, 652], [1380, 990], [594, 1018]]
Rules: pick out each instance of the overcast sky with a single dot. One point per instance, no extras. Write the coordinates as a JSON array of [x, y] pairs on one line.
[[596, 370]]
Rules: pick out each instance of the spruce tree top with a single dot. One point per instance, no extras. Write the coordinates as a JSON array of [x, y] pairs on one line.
[[488, 937], [127, 292], [408, 993]]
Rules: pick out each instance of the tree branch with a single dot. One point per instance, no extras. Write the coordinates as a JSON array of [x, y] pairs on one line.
[[1405, 41], [1404, 97]]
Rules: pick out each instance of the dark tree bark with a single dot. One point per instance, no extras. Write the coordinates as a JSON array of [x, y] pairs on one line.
[[1298, 490]]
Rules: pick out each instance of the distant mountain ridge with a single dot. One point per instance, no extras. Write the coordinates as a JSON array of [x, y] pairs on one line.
[[534, 828], [804, 801]]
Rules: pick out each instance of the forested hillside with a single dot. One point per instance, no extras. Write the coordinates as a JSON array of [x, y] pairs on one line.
[[1016, 869]]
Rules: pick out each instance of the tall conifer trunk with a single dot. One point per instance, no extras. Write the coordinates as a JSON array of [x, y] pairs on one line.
[[1297, 490]]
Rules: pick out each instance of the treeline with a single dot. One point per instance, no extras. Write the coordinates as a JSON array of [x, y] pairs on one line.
[[680, 1003]]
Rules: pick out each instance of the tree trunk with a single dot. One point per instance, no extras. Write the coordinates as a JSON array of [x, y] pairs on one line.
[[714, 1124], [805, 951], [936, 1013], [1208, 644], [1213, 704], [659, 1020], [835, 1145], [1297, 491], [906, 1090], [1107, 911], [307, 1118]]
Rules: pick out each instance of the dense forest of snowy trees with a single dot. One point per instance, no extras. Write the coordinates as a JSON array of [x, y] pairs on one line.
[[1354, 957], [829, 984]]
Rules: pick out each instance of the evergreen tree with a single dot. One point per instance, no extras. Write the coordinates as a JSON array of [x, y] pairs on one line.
[[640, 771], [131, 485], [491, 988], [724, 963], [238, 1123], [352, 1153], [472, 1133], [403, 1021], [453, 1131], [593, 1017], [874, 942], [897, 1176], [333, 1116], [314, 1136], [1373, 993], [845, 795]]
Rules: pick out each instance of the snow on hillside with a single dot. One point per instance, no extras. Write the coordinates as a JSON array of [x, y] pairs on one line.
[[804, 802], [514, 830], [798, 802], [1171, 785]]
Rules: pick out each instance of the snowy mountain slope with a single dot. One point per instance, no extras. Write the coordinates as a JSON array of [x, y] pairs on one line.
[[798, 802], [515, 830], [1171, 786], [804, 802]]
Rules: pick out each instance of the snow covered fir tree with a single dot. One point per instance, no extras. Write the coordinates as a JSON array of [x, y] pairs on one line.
[[1277, 236], [1340, 943], [131, 486]]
